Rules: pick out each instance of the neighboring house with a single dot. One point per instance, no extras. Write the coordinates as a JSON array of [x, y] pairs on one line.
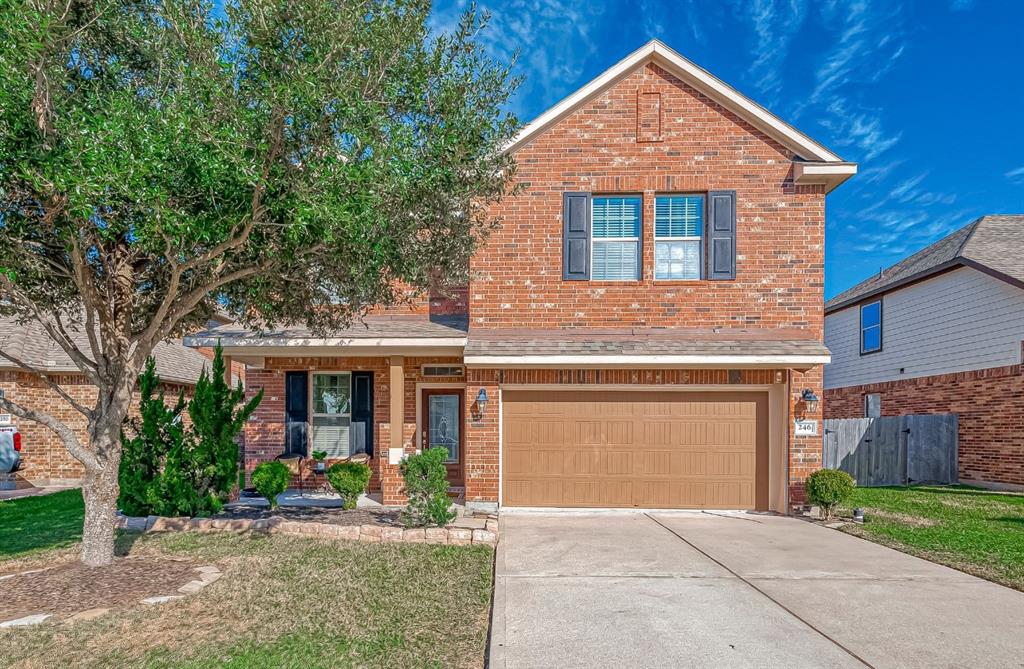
[[941, 332], [43, 456], [638, 333]]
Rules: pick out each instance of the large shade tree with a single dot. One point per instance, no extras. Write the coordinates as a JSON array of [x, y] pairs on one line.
[[284, 160]]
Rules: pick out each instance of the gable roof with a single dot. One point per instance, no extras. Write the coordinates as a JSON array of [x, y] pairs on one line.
[[716, 89], [31, 344], [991, 244]]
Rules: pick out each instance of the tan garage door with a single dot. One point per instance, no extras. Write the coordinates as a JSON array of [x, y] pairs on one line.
[[635, 449]]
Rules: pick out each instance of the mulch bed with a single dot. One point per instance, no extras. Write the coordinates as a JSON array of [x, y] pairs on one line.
[[68, 588], [328, 515]]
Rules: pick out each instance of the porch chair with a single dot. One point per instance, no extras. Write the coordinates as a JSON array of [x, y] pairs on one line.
[[293, 461]]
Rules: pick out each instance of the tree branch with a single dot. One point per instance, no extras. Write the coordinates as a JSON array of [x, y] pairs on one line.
[[84, 363], [42, 376], [66, 434]]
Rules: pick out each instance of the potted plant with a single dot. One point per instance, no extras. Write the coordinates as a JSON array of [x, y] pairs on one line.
[[319, 457]]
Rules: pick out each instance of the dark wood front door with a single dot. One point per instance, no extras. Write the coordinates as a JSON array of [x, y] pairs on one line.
[[443, 420]]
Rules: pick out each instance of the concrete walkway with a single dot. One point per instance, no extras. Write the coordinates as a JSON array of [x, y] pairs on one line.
[[734, 590]]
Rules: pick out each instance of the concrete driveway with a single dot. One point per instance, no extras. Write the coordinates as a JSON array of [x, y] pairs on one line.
[[742, 590]]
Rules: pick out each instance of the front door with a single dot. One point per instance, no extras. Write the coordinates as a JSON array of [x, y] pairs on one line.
[[442, 427]]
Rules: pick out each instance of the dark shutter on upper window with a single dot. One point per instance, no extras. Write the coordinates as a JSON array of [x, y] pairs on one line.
[[576, 236], [721, 232]]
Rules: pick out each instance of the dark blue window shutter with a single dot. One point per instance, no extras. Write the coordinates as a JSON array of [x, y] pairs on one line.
[[576, 236], [721, 235], [296, 413]]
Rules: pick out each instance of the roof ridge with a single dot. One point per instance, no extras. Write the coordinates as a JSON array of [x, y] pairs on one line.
[[974, 227]]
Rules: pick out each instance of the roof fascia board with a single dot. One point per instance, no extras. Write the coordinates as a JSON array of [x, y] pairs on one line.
[[750, 361], [697, 77], [974, 264], [888, 288]]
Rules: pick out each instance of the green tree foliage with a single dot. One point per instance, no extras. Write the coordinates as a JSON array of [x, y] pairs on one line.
[[349, 479], [172, 469], [829, 489], [426, 485], [270, 480], [290, 161]]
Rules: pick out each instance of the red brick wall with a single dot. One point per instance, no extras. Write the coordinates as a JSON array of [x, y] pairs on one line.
[[43, 456], [990, 405], [700, 146], [264, 433]]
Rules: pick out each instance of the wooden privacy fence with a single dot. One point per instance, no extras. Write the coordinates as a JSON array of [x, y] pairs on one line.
[[893, 450]]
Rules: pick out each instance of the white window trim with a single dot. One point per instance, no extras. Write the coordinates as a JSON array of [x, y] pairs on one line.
[[636, 240], [699, 238], [312, 406]]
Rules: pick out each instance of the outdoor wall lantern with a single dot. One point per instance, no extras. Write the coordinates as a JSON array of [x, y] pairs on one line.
[[810, 399], [480, 406]]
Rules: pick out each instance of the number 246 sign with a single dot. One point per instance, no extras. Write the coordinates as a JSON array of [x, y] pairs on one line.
[[805, 428]]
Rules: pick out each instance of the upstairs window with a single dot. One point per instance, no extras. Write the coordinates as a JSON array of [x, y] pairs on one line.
[[871, 327], [615, 232], [678, 228]]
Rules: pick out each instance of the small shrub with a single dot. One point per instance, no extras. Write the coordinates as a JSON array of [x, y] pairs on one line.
[[319, 456], [426, 484], [828, 489], [270, 480], [350, 480]]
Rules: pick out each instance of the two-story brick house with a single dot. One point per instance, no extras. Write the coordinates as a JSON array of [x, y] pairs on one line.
[[638, 333]]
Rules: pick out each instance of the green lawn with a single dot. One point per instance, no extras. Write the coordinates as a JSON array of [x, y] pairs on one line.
[[32, 524], [282, 602], [974, 530]]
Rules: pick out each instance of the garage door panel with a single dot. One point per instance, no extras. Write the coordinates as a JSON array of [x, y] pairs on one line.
[[731, 464], [639, 449]]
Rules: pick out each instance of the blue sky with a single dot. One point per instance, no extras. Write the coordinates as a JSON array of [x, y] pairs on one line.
[[927, 96]]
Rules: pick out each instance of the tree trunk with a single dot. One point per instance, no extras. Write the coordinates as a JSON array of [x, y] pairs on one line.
[[100, 486], [100, 491]]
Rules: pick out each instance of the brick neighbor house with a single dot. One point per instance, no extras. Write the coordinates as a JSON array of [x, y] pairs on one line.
[[639, 332], [44, 459], [941, 332]]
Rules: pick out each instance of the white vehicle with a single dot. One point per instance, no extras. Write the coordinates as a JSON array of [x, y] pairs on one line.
[[10, 449]]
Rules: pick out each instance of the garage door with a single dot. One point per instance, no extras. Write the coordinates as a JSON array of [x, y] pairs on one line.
[[635, 449]]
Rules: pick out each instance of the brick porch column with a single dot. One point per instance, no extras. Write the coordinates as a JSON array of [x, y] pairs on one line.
[[390, 478]]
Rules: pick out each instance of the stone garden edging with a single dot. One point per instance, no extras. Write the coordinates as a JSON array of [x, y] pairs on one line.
[[452, 535]]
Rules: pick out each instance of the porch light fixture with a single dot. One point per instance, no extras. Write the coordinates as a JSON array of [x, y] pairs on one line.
[[480, 405], [810, 399]]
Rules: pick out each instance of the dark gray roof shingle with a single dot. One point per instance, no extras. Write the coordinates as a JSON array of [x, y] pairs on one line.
[[995, 242], [642, 341], [30, 343], [372, 327]]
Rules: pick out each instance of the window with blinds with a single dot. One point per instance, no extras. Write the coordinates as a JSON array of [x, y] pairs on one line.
[[678, 226], [615, 232], [332, 413]]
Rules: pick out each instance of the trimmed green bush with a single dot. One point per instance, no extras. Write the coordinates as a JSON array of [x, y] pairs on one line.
[[828, 489], [426, 485], [270, 480], [350, 480], [170, 467]]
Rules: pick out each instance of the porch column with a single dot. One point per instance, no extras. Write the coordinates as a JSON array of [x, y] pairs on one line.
[[391, 483], [227, 370], [397, 400]]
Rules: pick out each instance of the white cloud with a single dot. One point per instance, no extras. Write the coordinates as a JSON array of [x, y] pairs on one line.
[[551, 38], [1016, 175], [775, 24]]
